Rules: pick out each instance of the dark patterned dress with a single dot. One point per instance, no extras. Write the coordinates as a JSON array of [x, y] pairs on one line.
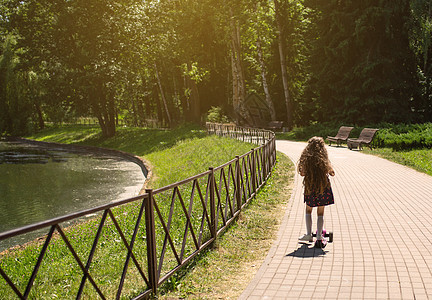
[[326, 198]]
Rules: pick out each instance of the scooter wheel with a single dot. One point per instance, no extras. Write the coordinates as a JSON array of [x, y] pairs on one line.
[[330, 237]]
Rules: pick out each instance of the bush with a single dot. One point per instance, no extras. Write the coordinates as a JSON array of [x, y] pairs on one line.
[[317, 129], [405, 137], [216, 115], [395, 136]]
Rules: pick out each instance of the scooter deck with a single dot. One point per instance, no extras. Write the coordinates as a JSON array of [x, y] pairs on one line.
[[327, 234]]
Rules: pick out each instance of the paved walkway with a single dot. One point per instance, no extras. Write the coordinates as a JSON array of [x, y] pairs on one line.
[[382, 236]]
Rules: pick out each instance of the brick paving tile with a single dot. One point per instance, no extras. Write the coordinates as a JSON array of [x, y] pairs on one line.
[[381, 225]]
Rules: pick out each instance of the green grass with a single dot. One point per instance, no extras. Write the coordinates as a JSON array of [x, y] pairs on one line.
[[174, 155], [418, 159], [138, 141], [223, 272]]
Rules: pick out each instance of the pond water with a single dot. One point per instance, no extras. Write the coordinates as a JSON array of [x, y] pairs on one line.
[[37, 183]]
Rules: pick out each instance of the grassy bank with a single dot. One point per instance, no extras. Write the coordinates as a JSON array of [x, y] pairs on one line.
[[224, 271], [174, 155], [418, 159]]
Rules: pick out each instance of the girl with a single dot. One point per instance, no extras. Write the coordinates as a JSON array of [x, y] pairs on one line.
[[315, 166]]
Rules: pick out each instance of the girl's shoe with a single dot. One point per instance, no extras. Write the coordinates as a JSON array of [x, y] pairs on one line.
[[306, 238], [320, 243]]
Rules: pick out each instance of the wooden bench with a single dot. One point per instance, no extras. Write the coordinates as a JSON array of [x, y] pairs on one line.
[[275, 125], [365, 138], [341, 136]]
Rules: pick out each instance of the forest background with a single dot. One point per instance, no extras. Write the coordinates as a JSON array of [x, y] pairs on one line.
[[167, 62]]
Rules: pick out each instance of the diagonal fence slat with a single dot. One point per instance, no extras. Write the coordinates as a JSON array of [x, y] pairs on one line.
[[127, 245], [177, 227], [38, 263], [205, 215], [78, 260], [166, 227], [130, 254], [92, 251], [11, 284], [188, 226]]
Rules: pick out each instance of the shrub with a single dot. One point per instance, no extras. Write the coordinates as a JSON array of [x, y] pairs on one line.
[[405, 136], [317, 129], [216, 115], [395, 136]]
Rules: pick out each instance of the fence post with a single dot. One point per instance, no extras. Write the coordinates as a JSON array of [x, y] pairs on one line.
[[274, 151], [151, 241], [237, 179], [253, 171], [269, 158], [213, 224], [264, 163]]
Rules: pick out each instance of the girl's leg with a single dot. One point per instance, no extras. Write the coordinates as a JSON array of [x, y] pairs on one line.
[[308, 218], [320, 221]]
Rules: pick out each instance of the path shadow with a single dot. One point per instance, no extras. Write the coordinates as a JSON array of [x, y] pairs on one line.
[[307, 250]]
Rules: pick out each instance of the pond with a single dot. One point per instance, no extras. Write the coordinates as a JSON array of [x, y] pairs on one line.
[[39, 183]]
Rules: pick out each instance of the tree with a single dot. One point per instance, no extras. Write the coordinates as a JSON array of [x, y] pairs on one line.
[[362, 68], [91, 53], [421, 41], [166, 62], [258, 39], [98, 46], [283, 65], [15, 110], [236, 55]]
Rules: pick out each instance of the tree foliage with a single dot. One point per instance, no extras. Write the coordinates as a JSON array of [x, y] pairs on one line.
[[421, 42], [362, 67], [169, 61]]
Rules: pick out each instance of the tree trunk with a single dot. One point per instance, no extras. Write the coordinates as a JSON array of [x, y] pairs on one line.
[[141, 113], [427, 67], [283, 64], [156, 99], [427, 42], [239, 86], [41, 122], [194, 99], [264, 80], [184, 101], [111, 118], [196, 107], [146, 105], [134, 112], [104, 108], [163, 96]]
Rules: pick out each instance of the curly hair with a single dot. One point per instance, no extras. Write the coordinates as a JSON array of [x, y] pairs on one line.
[[314, 165]]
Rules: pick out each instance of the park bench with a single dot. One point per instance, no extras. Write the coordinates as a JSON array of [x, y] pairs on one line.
[[275, 125], [341, 136], [365, 138]]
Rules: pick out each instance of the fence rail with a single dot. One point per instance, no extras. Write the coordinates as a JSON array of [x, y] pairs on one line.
[[171, 225]]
